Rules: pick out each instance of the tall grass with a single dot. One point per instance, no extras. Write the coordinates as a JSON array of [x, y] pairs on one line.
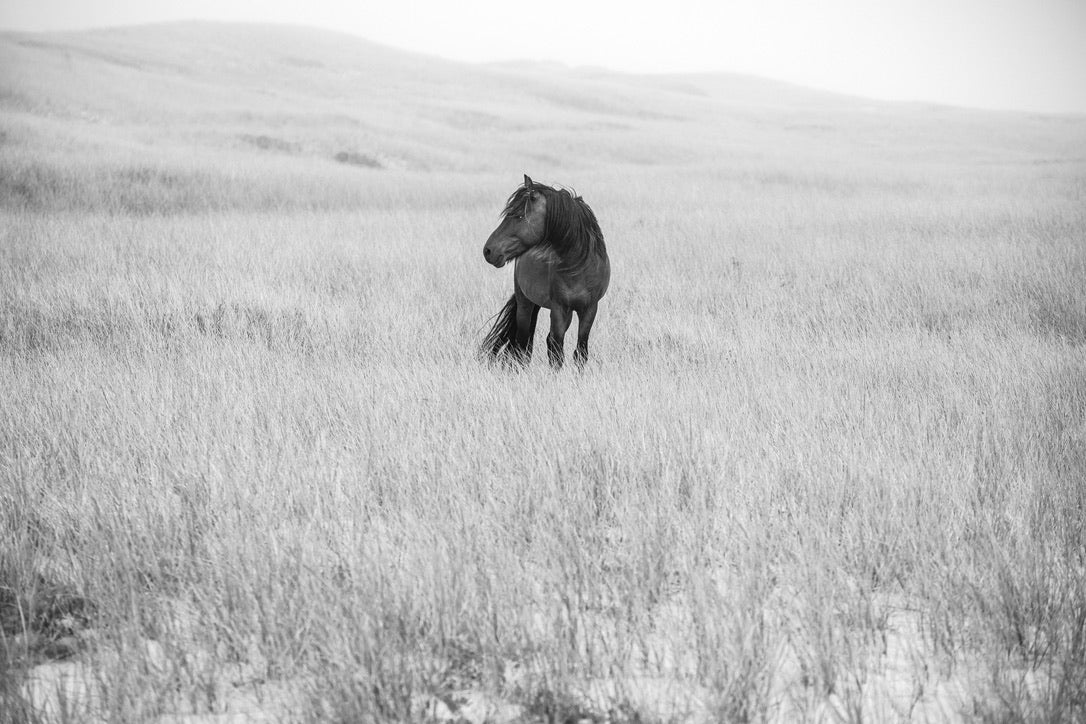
[[826, 461]]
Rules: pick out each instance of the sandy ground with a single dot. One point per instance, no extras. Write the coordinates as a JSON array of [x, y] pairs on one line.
[[903, 681]]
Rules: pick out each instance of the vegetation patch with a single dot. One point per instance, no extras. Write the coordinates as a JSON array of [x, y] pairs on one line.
[[270, 143], [43, 621], [353, 158]]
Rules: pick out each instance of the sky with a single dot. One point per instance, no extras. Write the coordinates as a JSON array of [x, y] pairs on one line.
[[1000, 54]]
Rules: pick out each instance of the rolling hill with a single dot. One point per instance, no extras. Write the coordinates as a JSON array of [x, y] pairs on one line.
[[184, 106]]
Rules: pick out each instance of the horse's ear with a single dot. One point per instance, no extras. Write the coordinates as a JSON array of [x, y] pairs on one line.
[[528, 182]]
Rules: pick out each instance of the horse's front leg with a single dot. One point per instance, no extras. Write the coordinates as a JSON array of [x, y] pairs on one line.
[[560, 317], [585, 318]]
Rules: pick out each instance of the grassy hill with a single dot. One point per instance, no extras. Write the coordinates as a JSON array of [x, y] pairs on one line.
[[180, 108], [825, 462]]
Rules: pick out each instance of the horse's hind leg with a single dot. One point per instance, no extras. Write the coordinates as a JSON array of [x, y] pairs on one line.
[[560, 317], [585, 318], [527, 313]]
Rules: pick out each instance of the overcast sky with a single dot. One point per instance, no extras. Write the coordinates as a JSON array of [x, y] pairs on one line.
[[1014, 54]]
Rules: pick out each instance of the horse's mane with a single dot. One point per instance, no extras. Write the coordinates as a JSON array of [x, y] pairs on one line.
[[570, 228]]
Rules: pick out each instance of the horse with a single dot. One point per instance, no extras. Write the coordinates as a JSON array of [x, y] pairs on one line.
[[561, 264]]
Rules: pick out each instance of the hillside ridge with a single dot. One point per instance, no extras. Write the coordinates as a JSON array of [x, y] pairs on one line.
[[237, 100]]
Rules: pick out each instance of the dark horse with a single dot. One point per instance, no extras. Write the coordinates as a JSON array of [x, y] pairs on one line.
[[561, 264]]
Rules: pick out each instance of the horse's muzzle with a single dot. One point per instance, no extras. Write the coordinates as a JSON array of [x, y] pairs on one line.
[[498, 260]]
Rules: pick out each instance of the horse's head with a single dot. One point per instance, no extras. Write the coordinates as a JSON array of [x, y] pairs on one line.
[[522, 226]]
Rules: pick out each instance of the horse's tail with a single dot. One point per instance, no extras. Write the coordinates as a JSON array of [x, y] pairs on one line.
[[504, 332]]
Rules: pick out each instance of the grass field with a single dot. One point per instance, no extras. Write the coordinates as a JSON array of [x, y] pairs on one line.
[[827, 461]]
